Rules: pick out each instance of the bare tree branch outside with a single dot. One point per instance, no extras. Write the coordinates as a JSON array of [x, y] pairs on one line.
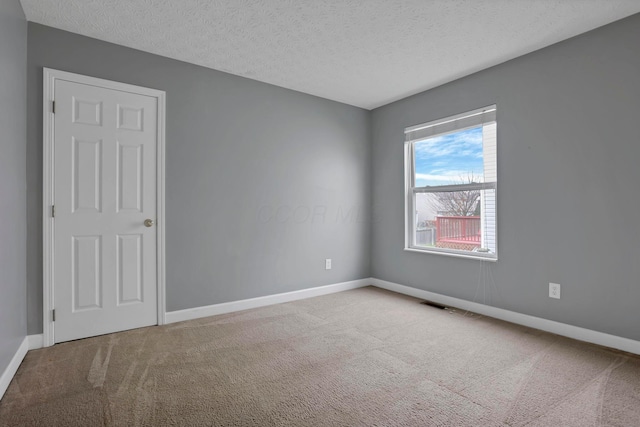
[[458, 203]]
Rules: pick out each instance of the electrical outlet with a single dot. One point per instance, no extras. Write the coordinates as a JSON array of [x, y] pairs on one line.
[[327, 264], [554, 290]]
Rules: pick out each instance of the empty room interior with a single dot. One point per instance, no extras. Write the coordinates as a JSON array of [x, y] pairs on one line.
[[319, 213]]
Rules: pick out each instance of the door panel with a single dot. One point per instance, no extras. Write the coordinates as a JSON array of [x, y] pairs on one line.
[[105, 145], [130, 178], [86, 265], [130, 287], [86, 181]]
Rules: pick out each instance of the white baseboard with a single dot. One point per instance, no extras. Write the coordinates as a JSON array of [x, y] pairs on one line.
[[570, 331], [229, 307], [558, 328], [35, 341], [13, 366]]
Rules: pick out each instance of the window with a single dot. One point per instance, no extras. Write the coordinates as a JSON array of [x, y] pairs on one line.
[[451, 176]]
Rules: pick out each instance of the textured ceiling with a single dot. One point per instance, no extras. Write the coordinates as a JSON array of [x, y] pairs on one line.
[[361, 52]]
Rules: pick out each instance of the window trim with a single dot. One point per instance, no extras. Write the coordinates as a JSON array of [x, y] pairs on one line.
[[470, 119]]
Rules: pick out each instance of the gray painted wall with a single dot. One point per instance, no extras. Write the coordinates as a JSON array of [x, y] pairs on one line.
[[242, 156], [568, 175], [262, 183], [13, 63]]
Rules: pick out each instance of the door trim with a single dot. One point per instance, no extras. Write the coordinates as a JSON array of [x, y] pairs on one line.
[[48, 94]]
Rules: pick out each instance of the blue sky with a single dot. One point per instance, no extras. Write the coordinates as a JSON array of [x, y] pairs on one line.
[[449, 159]]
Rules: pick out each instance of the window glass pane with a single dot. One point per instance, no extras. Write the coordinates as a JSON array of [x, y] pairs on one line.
[[454, 158], [450, 185], [458, 220]]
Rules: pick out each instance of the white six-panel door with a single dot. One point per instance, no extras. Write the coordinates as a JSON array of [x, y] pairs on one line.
[[104, 226]]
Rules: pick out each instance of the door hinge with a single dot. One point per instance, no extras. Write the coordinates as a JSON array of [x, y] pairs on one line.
[[53, 315], [53, 107], [53, 211]]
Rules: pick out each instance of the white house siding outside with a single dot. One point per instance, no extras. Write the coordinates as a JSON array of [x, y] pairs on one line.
[[488, 198]]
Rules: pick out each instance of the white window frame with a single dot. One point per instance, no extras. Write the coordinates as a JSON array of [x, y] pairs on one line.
[[480, 117]]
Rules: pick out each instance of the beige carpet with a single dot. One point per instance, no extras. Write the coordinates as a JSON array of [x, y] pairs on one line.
[[360, 358]]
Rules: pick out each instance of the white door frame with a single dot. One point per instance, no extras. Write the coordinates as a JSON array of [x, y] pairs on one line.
[[48, 95]]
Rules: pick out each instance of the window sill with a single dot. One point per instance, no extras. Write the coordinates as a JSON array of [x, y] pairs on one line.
[[453, 254]]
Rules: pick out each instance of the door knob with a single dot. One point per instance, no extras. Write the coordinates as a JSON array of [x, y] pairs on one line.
[[148, 223]]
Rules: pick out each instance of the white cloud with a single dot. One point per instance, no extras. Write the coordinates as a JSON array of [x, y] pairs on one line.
[[452, 176], [465, 143]]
